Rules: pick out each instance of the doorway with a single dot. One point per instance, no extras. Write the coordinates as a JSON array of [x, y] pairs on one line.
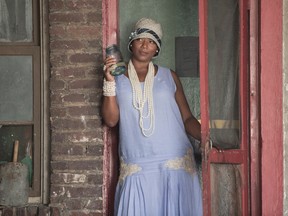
[[225, 157]]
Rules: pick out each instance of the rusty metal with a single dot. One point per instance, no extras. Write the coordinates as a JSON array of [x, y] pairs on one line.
[[14, 184]]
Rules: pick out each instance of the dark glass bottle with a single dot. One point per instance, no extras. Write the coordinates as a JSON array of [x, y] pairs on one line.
[[120, 68]]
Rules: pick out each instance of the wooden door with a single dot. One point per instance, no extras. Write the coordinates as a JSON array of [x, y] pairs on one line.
[[224, 106]]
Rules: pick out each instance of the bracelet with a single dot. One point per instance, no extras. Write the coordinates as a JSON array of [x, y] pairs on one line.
[[109, 88]]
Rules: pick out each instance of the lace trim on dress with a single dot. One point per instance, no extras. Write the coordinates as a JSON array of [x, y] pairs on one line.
[[186, 162], [128, 169]]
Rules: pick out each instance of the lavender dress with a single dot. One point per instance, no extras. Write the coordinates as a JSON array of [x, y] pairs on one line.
[[158, 174]]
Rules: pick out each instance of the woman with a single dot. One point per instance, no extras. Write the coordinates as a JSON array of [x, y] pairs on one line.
[[158, 174]]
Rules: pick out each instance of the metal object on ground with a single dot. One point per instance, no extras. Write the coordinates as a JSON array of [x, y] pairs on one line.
[[14, 184]]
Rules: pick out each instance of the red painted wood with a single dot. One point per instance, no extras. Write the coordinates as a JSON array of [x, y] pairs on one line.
[[227, 156], [110, 154], [271, 107], [255, 184], [204, 105], [244, 105]]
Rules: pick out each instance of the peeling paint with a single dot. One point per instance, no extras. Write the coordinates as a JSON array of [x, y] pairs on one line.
[[74, 178], [84, 121], [87, 204], [84, 139], [62, 193]]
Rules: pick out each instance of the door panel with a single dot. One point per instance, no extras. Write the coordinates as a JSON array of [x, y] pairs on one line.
[[224, 106]]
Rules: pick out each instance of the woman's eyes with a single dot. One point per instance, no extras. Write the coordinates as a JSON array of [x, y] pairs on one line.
[[142, 39]]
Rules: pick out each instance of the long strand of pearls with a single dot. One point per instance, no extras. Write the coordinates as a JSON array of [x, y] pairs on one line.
[[141, 98]]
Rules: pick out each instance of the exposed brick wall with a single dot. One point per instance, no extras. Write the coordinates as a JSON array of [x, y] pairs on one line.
[[75, 84], [76, 172]]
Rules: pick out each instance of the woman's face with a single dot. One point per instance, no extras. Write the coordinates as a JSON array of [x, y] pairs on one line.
[[144, 49]]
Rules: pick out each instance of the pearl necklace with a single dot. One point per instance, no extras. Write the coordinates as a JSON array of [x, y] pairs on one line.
[[141, 98]]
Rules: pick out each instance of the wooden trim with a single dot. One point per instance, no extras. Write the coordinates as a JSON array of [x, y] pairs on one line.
[[204, 105], [255, 187], [45, 96], [110, 157], [271, 103], [244, 105]]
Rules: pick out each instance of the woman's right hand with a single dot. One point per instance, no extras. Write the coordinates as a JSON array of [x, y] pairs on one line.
[[109, 65]]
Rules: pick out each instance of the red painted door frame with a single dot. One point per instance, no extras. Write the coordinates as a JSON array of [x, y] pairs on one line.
[[110, 135], [271, 103]]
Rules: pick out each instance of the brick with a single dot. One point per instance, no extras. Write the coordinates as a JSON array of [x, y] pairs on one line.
[[66, 17], [32, 210], [77, 149], [74, 204], [94, 150], [58, 31], [68, 150], [93, 204], [95, 44], [66, 44], [68, 124], [94, 16], [83, 110], [58, 59], [44, 210], [95, 179], [69, 178], [83, 4], [77, 165], [85, 213], [64, 192], [70, 72], [57, 112], [83, 57], [56, 5], [57, 84], [56, 97], [95, 97], [82, 84], [77, 137], [84, 31], [56, 211]]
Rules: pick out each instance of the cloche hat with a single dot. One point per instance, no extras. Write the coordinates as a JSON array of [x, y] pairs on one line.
[[147, 28]]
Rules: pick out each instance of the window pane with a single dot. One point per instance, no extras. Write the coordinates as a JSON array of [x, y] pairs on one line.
[[16, 21], [16, 87], [225, 189], [223, 59]]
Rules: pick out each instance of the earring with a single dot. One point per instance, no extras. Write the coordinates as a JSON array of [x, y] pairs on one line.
[[157, 51], [130, 45]]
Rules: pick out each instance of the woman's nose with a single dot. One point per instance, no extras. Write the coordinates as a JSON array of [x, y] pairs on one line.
[[144, 43]]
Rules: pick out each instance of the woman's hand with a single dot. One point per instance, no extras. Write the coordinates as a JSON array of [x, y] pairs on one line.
[[109, 65]]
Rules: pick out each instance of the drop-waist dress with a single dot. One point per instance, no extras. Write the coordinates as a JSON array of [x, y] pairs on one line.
[[158, 175]]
